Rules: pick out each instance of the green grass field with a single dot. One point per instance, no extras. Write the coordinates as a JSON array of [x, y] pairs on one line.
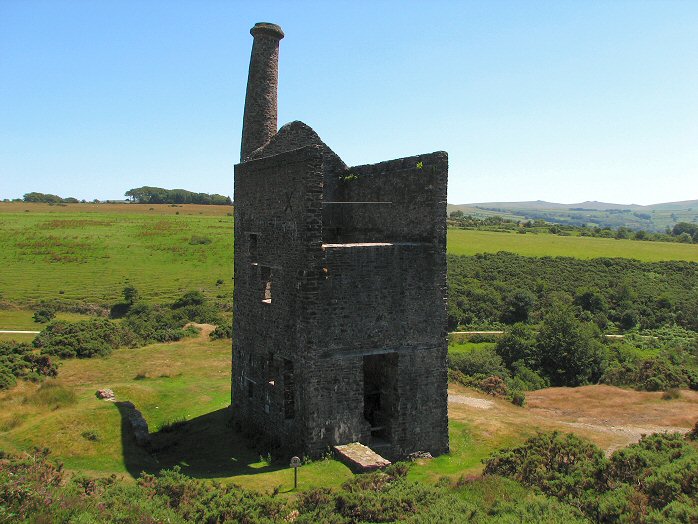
[[87, 252], [469, 242], [186, 381], [91, 254], [23, 320]]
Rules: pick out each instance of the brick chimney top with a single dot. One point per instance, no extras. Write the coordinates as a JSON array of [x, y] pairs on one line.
[[267, 29]]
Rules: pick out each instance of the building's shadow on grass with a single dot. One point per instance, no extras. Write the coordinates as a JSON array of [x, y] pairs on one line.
[[203, 447]]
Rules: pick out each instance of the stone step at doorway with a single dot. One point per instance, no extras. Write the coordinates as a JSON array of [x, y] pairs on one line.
[[360, 458]]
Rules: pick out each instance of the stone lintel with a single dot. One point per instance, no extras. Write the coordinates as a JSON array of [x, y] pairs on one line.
[[360, 458]]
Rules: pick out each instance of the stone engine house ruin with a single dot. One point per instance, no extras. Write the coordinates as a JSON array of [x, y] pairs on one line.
[[339, 329]]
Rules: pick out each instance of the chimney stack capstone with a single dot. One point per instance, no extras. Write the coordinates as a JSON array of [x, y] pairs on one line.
[[259, 122]]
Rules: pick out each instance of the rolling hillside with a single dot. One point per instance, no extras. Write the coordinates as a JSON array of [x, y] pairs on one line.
[[656, 217]]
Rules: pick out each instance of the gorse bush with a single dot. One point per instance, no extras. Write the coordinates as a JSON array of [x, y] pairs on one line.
[[44, 315], [18, 360], [655, 480], [222, 331], [504, 287], [33, 489], [84, 339], [141, 324], [478, 361], [565, 350]]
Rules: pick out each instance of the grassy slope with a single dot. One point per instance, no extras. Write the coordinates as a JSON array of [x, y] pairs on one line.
[[185, 380], [19, 319], [90, 252], [190, 381], [81, 254], [652, 218], [466, 242]]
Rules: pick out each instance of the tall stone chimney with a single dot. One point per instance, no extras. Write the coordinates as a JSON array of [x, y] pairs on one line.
[[260, 120]]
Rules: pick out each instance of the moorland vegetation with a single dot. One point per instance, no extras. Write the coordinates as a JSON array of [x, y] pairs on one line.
[[132, 323], [655, 480], [555, 313]]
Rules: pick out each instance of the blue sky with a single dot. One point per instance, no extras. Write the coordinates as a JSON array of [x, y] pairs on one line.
[[560, 101]]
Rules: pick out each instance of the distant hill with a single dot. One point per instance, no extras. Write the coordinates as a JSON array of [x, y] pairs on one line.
[[655, 217]]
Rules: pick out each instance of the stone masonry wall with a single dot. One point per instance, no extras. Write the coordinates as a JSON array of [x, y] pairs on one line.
[[415, 187], [279, 201], [332, 305]]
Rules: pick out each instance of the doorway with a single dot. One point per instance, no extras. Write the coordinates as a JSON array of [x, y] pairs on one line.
[[380, 394]]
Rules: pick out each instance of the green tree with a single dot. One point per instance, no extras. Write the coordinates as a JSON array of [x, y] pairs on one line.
[[519, 345], [131, 295], [629, 319], [571, 352], [590, 299], [517, 306]]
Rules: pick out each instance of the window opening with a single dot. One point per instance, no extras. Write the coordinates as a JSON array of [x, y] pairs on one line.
[[266, 284]]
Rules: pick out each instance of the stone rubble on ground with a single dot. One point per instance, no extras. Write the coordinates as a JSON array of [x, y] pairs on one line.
[[106, 394], [138, 424]]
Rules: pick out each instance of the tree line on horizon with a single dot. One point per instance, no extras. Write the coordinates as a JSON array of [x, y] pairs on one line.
[[683, 232], [159, 195], [140, 195]]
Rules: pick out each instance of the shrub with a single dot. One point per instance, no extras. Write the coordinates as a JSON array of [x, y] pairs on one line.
[[674, 481], [17, 360], [693, 434], [44, 315], [7, 378], [519, 345], [671, 394], [479, 361], [222, 331], [658, 374], [154, 323], [527, 379], [199, 240], [566, 467], [494, 385], [518, 398], [193, 307], [90, 435], [83, 339], [190, 298]]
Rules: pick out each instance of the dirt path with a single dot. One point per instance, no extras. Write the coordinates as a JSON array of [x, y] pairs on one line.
[[479, 403], [609, 416], [15, 332]]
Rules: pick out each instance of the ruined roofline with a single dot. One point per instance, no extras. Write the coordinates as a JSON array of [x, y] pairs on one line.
[[295, 135], [396, 164]]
